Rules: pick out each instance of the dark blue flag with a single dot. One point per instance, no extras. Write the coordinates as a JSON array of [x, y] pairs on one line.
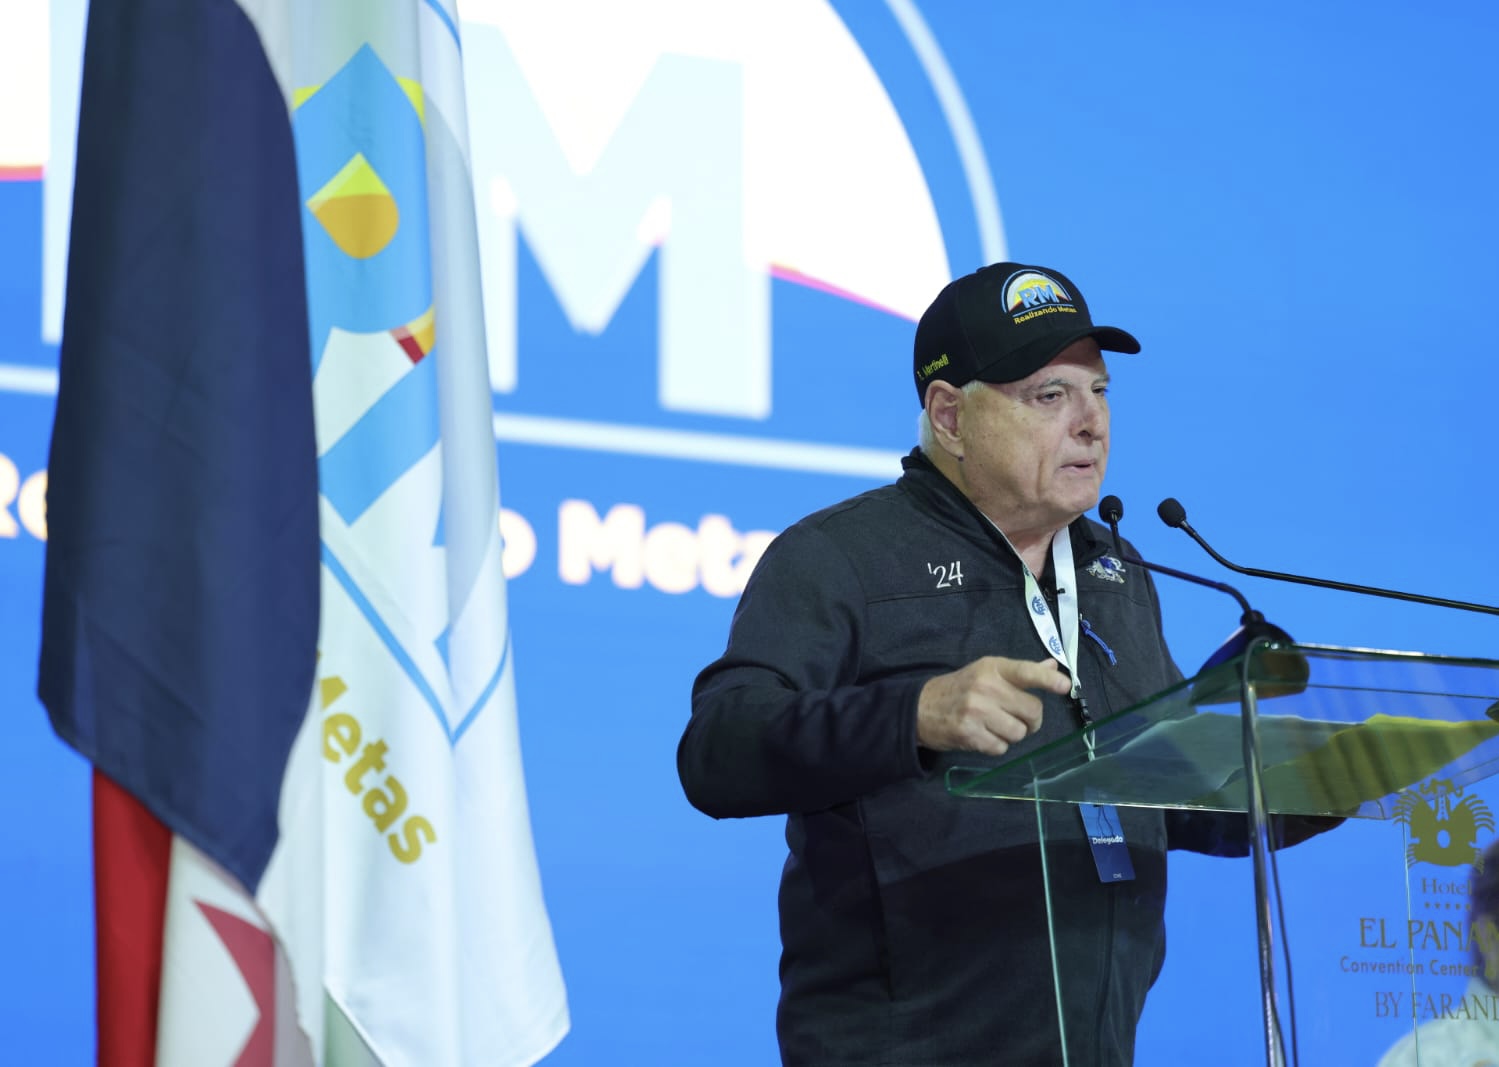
[[181, 599]]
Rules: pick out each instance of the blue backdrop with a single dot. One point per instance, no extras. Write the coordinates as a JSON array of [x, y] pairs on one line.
[[1290, 205]]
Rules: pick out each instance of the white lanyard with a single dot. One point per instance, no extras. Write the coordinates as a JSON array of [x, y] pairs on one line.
[[1063, 645], [1101, 823]]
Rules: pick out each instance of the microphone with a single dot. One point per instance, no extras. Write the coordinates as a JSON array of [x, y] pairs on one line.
[[1175, 516], [1291, 672], [1111, 510]]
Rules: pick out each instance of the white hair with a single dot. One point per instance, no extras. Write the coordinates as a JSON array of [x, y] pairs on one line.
[[925, 436]]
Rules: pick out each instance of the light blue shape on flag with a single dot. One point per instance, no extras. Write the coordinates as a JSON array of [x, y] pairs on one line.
[[362, 110], [449, 20], [387, 441]]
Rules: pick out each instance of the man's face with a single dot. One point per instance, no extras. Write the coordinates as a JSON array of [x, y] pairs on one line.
[[1034, 451]]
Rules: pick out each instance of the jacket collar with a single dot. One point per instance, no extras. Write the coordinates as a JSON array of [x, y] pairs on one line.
[[922, 479]]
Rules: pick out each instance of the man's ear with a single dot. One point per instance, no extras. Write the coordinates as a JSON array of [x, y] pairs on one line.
[[943, 402]]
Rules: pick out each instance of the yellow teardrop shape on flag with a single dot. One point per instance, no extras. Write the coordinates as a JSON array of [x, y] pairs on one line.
[[356, 209]]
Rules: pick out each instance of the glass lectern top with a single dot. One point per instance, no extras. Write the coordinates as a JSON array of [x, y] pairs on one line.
[[1340, 731]]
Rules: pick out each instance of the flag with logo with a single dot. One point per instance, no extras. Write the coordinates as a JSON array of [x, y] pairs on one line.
[[275, 614]]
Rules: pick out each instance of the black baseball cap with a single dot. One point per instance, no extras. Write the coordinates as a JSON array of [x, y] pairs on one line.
[[1002, 323]]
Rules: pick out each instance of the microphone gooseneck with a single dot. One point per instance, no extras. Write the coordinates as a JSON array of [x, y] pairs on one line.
[[1111, 510], [1252, 625], [1175, 516]]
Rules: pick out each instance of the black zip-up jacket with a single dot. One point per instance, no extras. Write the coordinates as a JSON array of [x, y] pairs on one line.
[[913, 923]]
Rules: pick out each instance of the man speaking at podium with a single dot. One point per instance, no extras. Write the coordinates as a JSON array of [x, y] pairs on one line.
[[966, 612]]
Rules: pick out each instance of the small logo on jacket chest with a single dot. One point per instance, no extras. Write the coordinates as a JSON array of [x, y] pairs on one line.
[[1108, 568]]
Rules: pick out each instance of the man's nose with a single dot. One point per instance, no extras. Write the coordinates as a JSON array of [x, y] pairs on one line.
[[1092, 415]]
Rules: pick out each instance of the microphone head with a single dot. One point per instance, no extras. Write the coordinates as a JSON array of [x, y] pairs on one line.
[[1171, 512], [1111, 509]]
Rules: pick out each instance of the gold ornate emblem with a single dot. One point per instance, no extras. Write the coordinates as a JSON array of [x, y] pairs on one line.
[[1442, 825]]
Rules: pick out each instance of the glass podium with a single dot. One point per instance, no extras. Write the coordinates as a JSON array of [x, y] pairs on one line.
[[1289, 730]]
